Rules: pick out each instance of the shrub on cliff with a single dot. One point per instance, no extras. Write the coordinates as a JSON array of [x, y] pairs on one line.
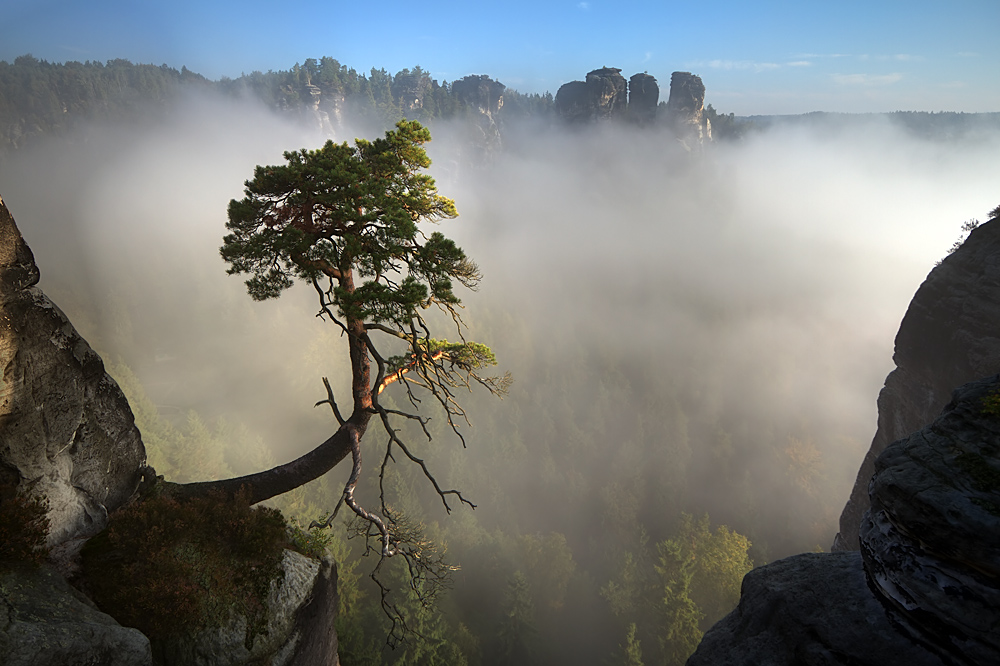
[[166, 567]]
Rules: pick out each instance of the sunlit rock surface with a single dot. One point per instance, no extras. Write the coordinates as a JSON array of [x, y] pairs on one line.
[[302, 609], [949, 336], [602, 96], [685, 109], [66, 430], [45, 622], [484, 97], [925, 588]]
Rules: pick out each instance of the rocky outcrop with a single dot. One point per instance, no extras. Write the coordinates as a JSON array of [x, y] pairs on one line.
[[46, 622], [484, 97], [643, 96], [302, 609], [68, 435], [66, 430], [949, 336], [685, 109], [805, 610], [931, 540], [925, 588], [602, 96]]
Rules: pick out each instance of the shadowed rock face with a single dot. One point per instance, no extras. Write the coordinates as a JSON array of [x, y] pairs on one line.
[[809, 610], [66, 430], [925, 588], [483, 94], [643, 96], [480, 92], [949, 336], [45, 622], [604, 95], [931, 540]]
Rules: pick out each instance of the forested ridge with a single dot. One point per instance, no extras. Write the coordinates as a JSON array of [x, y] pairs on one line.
[[42, 98]]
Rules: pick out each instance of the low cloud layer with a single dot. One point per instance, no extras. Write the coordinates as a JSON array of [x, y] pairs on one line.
[[767, 277]]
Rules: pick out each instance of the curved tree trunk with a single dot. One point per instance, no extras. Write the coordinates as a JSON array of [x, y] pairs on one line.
[[283, 478]]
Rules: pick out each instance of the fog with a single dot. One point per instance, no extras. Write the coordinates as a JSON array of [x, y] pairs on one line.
[[759, 286]]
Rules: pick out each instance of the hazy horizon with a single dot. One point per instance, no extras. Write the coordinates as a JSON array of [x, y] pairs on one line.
[[755, 58], [768, 277]]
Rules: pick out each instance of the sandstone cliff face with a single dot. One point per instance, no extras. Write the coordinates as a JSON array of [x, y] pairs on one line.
[[926, 587], [45, 622], [931, 540], [66, 430], [685, 109], [949, 336], [602, 96], [68, 435], [302, 611], [484, 97], [643, 96]]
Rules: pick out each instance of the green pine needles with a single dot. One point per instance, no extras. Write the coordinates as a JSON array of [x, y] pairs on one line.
[[351, 222], [346, 208]]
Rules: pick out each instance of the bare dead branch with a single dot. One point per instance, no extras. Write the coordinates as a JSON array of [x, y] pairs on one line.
[[333, 403]]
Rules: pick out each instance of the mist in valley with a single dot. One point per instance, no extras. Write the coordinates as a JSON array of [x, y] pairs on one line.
[[687, 333]]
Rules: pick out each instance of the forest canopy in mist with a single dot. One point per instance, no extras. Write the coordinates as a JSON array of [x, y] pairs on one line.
[[688, 335]]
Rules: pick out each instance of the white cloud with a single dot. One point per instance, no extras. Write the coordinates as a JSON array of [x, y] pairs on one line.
[[741, 64], [810, 56], [799, 63], [648, 56], [866, 79], [583, 6]]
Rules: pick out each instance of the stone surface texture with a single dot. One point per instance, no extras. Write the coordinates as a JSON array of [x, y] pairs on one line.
[[602, 96], [931, 540], [949, 336], [685, 109], [808, 610], [484, 97], [925, 588], [66, 430], [643, 96], [300, 625], [46, 622]]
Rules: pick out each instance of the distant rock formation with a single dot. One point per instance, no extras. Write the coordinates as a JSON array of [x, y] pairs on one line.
[[949, 336], [643, 96], [925, 590], [603, 96], [484, 97], [685, 109], [66, 430]]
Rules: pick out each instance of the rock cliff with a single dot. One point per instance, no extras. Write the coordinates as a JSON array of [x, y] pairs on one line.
[[66, 430], [67, 435], [484, 98], [685, 109], [643, 96], [602, 96], [948, 337], [926, 587]]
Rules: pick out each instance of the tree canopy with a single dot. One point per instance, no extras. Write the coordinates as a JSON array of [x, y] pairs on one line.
[[351, 222]]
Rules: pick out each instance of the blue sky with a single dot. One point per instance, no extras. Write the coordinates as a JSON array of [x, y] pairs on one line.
[[754, 57]]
